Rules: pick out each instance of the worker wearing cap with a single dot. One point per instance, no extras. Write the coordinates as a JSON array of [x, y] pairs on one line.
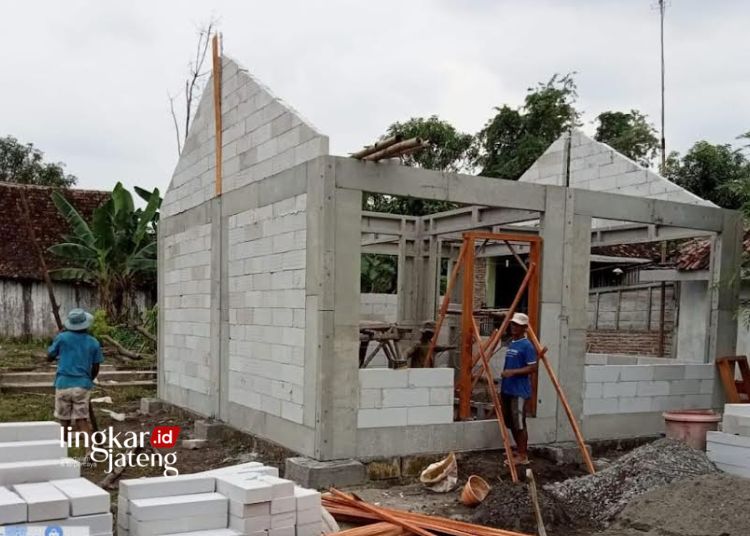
[[515, 386], [78, 356]]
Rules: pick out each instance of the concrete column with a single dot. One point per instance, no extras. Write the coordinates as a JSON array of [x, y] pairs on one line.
[[333, 280], [217, 282], [564, 295]]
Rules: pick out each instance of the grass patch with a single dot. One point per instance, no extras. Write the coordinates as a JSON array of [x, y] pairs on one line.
[[22, 354], [27, 407]]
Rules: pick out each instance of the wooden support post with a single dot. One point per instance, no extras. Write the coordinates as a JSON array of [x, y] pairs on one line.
[[648, 309], [444, 306], [467, 335], [216, 54], [492, 391], [617, 311], [542, 356]]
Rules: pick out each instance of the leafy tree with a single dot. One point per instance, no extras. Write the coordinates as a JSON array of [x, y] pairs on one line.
[[116, 252], [629, 133], [24, 164], [511, 141], [378, 273], [448, 149], [717, 173]]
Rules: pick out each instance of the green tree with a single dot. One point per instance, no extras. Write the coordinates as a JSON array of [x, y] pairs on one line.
[[448, 149], [716, 173], [513, 139], [629, 133], [24, 164], [116, 252]]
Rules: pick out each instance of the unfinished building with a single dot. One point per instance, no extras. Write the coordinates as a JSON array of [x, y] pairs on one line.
[[259, 286]]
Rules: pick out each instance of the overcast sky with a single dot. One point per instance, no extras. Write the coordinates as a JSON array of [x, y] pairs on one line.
[[87, 82]]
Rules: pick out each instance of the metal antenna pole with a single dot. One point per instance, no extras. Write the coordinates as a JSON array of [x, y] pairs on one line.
[[663, 141]]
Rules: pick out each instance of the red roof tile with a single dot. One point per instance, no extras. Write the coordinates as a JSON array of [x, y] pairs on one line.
[[18, 258]]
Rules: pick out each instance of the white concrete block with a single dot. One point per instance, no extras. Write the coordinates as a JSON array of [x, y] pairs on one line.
[[429, 415], [431, 377], [618, 389], [441, 396], [310, 515], [38, 471], [736, 424], [737, 409], [21, 451], [281, 505], [370, 398], [638, 404], [378, 418], [406, 397], [244, 490], [164, 486], [29, 431], [653, 388], [250, 525], [723, 438], [97, 523], [307, 498], [86, 498], [669, 372], [685, 387], [249, 510], [602, 373], [287, 519], [600, 406], [382, 378], [178, 505], [177, 525], [700, 372], [280, 487], [44, 501], [311, 529], [12, 507], [631, 373], [594, 390], [212, 532]]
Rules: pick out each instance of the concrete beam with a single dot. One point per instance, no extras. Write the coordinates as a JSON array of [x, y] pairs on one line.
[[387, 178], [635, 233], [650, 276]]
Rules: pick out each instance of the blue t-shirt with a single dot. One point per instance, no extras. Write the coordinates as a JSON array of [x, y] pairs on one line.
[[76, 353], [520, 354]]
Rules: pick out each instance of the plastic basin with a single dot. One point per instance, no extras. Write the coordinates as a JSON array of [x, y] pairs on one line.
[[691, 425]]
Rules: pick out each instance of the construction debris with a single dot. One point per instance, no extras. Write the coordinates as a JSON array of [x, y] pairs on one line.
[[352, 508], [441, 476], [392, 147], [600, 497]]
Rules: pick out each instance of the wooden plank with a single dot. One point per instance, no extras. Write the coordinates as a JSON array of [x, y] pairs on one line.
[[216, 54]]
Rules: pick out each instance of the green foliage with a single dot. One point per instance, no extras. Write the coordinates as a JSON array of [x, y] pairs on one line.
[[378, 274], [629, 133], [116, 252], [718, 173], [24, 164], [100, 326], [448, 149], [512, 140]]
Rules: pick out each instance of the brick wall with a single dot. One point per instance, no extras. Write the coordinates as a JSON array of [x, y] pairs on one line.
[[404, 397], [186, 311], [610, 341], [266, 256], [647, 388], [480, 282]]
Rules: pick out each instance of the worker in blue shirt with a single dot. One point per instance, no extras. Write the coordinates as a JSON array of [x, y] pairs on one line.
[[515, 386], [78, 356]]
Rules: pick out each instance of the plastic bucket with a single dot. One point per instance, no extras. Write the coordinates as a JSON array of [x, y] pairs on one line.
[[691, 425], [475, 491]]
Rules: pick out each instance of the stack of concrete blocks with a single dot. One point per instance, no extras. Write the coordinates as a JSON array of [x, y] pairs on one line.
[[379, 307], [187, 316], [247, 499], [267, 261], [39, 485], [616, 389], [405, 397], [730, 448]]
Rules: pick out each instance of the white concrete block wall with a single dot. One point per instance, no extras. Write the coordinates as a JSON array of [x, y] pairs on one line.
[[379, 307], [186, 311], [261, 136], [267, 257], [405, 397], [617, 389]]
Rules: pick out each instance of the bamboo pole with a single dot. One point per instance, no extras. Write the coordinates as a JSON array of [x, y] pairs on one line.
[[394, 149], [216, 56], [377, 146], [444, 306], [466, 363], [535, 501], [542, 355], [23, 206], [496, 403]]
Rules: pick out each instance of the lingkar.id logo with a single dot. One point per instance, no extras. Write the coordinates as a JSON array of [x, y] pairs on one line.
[[104, 442]]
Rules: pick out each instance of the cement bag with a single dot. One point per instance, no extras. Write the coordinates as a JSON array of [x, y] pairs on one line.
[[441, 476]]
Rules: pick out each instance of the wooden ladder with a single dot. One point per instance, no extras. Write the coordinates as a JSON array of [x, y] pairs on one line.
[[736, 391]]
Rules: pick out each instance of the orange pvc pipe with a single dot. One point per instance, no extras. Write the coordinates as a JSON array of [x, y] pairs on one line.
[[542, 355]]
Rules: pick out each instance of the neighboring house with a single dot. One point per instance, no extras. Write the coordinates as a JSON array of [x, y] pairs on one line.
[[25, 309]]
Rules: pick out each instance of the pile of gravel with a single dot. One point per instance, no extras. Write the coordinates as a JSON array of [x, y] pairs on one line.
[[600, 497]]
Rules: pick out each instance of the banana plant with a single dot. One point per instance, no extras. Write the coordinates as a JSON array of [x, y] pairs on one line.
[[116, 252]]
